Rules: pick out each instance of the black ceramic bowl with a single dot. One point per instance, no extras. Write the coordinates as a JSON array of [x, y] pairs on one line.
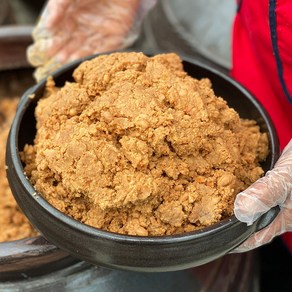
[[163, 253]]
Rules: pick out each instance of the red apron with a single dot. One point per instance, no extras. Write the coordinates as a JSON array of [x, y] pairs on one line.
[[262, 60]]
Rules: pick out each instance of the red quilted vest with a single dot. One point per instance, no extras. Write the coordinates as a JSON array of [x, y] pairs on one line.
[[262, 60]]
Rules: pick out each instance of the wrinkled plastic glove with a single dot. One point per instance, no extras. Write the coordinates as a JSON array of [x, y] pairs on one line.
[[68, 30], [275, 188]]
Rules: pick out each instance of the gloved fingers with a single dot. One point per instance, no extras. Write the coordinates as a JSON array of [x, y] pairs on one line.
[[256, 200], [90, 43], [271, 190], [54, 10], [43, 71], [281, 224], [68, 30], [52, 14], [54, 48], [44, 48]]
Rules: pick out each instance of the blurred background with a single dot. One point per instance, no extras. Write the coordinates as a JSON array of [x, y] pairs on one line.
[[20, 12]]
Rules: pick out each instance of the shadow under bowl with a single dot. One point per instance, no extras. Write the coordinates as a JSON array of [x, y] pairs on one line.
[[147, 254]]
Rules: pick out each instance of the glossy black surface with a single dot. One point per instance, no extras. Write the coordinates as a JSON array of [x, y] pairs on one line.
[[164, 253]]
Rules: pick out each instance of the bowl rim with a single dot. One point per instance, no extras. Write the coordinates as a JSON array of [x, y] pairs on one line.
[[26, 101]]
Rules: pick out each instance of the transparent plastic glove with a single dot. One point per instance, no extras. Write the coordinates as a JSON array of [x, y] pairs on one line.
[[68, 30], [275, 188]]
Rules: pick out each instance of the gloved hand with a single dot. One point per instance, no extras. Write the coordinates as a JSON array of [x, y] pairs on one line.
[[68, 30], [275, 188]]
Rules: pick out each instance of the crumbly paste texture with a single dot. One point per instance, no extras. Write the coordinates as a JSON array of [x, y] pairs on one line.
[[136, 146], [13, 224]]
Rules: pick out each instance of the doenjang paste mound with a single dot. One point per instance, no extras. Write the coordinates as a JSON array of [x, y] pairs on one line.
[[136, 146]]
